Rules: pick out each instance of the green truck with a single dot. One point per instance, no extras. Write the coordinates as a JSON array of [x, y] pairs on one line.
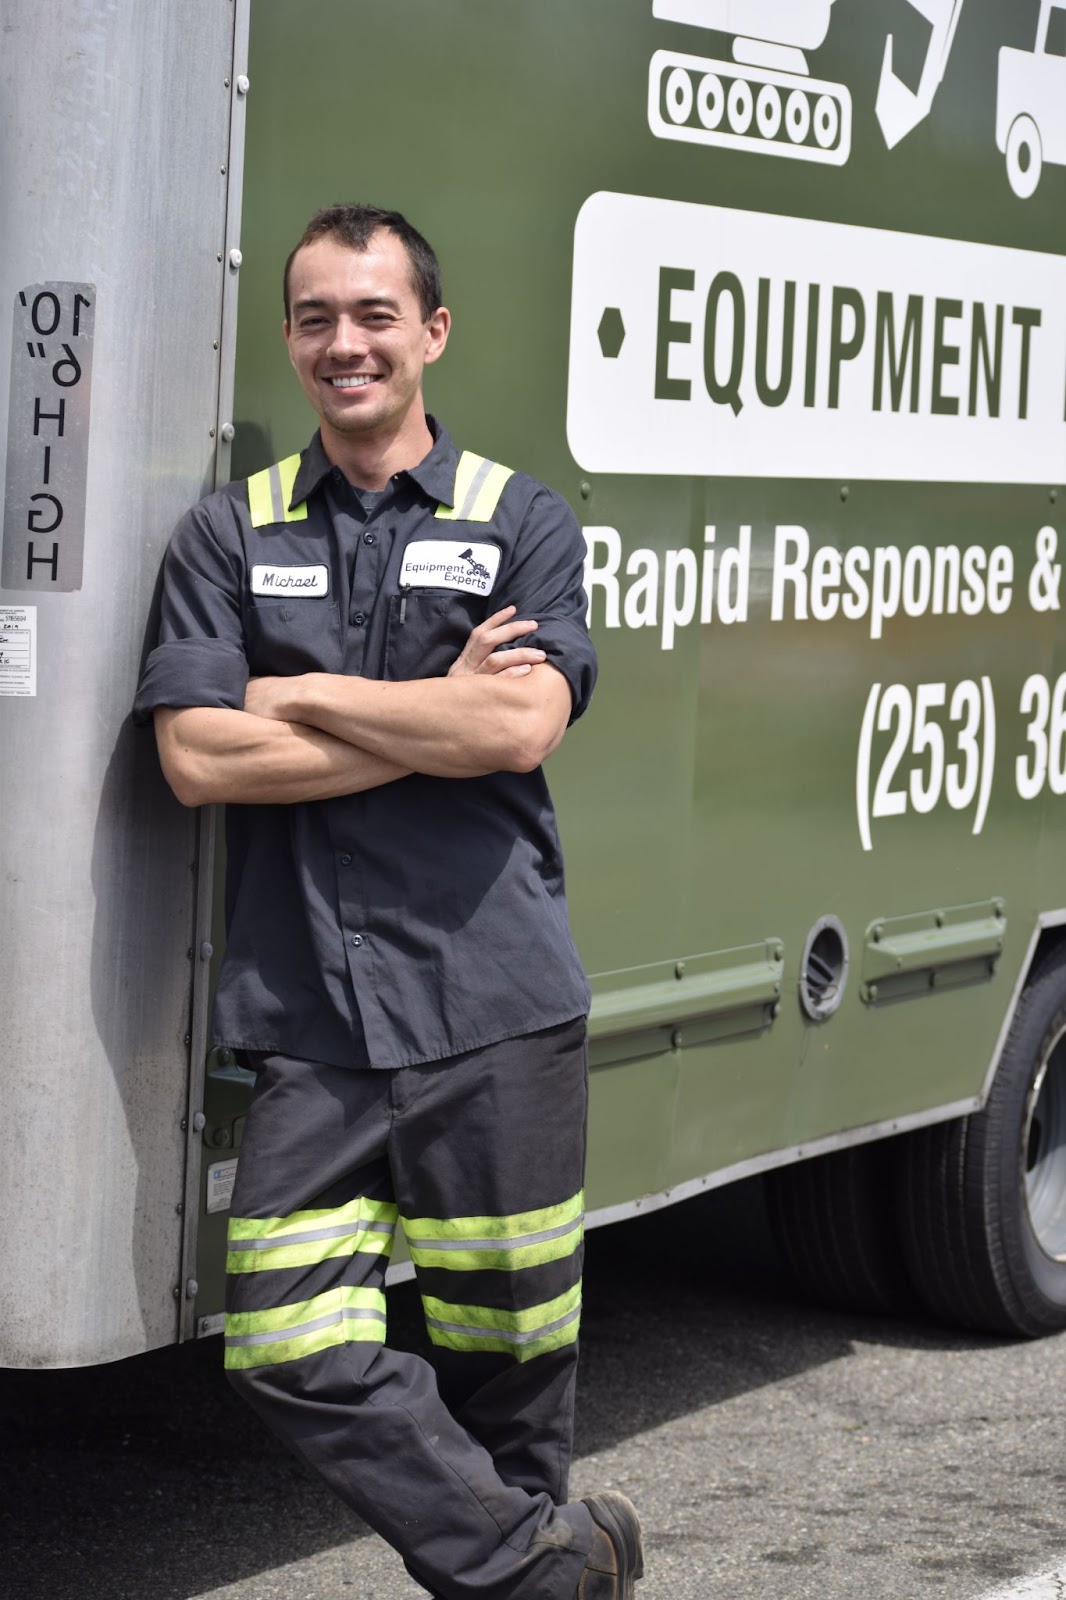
[[772, 312]]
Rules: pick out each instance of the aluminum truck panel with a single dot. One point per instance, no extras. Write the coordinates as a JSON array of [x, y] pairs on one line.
[[113, 177]]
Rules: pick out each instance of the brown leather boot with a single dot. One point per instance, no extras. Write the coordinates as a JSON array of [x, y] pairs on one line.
[[616, 1559]]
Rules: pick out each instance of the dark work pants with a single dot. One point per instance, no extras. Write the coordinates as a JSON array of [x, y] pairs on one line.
[[462, 1466]]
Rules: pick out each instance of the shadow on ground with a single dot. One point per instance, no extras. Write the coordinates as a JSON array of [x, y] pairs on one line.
[[148, 1480]]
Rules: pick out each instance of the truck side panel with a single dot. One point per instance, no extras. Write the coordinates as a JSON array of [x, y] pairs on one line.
[[113, 172]]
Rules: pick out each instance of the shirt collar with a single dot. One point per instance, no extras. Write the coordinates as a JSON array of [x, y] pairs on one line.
[[434, 474]]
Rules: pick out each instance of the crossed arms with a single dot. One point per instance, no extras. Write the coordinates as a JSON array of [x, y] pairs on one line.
[[319, 735]]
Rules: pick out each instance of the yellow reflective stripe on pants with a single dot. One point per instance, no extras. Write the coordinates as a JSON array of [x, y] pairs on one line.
[[522, 1334], [285, 1333], [472, 1244], [258, 1244], [270, 491], [478, 486]]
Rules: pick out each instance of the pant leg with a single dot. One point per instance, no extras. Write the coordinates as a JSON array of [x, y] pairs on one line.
[[310, 1230], [488, 1157]]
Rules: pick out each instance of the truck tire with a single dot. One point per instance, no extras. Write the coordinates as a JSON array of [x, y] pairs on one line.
[[834, 1221], [983, 1200], [1025, 156]]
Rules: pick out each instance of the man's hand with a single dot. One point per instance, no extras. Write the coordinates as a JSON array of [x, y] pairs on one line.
[[484, 650], [266, 697]]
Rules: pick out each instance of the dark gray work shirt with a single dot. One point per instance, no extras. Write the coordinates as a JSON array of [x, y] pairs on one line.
[[428, 916]]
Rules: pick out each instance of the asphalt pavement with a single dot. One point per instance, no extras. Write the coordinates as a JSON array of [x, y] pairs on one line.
[[774, 1449]]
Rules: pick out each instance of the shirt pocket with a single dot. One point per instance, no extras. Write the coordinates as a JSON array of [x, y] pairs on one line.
[[427, 628], [285, 637]]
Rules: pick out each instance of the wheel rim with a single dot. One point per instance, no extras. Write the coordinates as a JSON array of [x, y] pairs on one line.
[[1024, 157], [1044, 1152]]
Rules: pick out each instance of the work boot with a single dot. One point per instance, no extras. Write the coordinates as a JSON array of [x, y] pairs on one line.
[[616, 1559]]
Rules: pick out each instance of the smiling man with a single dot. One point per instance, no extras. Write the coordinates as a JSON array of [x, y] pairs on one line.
[[367, 650]]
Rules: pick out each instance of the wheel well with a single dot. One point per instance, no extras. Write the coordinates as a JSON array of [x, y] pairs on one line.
[[1050, 939]]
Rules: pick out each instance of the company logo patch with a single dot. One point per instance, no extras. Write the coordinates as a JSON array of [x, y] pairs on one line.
[[293, 582], [450, 564]]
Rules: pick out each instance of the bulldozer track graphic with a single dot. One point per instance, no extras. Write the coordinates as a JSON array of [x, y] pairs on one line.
[[702, 101]]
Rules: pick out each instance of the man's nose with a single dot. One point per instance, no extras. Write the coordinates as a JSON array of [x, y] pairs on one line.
[[348, 340]]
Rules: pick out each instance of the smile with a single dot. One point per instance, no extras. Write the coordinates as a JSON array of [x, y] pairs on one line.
[[358, 381]]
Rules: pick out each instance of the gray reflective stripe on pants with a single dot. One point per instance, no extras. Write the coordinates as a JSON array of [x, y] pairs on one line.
[[277, 1335], [501, 1333], [341, 1231], [517, 1242], [475, 489]]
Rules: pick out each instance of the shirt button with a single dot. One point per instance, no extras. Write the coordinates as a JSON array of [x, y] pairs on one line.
[[346, 860], [370, 538], [356, 940], [359, 618]]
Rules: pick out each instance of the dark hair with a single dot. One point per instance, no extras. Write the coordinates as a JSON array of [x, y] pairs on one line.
[[355, 226]]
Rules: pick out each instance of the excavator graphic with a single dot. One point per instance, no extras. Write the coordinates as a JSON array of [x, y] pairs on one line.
[[899, 108], [764, 99]]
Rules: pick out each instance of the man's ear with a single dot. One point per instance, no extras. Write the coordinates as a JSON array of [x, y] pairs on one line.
[[437, 329]]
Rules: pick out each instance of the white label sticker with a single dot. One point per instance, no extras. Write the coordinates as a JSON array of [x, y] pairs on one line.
[[298, 582], [450, 564], [18, 650], [220, 1176], [714, 342]]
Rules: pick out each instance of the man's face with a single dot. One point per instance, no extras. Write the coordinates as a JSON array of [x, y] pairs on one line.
[[356, 336]]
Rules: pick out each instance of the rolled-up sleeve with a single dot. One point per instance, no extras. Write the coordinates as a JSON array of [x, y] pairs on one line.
[[199, 657], [544, 581]]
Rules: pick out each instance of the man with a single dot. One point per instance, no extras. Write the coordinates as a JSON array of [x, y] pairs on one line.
[[347, 658]]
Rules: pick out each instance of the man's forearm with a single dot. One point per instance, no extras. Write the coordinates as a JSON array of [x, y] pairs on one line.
[[449, 727], [214, 756]]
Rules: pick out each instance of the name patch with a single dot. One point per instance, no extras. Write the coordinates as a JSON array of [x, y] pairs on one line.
[[450, 564], [295, 581]]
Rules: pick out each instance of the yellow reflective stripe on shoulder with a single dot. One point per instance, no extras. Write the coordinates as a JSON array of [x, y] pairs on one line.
[[285, 1333], [270, 491], [478, 486], [522, 1334], [472, 1244], [306, 1238]]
